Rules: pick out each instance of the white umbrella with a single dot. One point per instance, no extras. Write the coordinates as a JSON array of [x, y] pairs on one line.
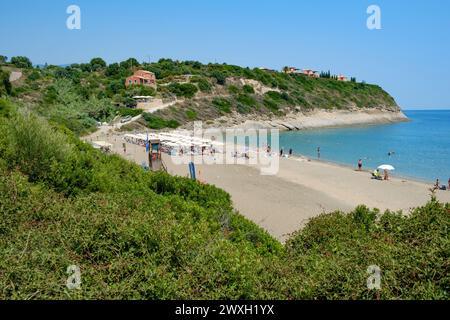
[[386, 167]]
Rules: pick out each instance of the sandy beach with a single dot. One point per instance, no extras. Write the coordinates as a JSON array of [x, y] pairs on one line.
[[301, 189]]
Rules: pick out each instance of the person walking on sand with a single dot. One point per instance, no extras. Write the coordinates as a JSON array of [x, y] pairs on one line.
[[290, 155], [281, 152], [448, 183], [318, 152], [360, 164]]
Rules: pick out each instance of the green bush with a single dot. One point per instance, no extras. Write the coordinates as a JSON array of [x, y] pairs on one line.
[[222, 104], [6, 108], [191, 114], [5, 85], [130, 112], [21, 62], [233, 89], [220, 77], [246, 100], [158, 123], [248, 89], [202, 83], [186, 90]]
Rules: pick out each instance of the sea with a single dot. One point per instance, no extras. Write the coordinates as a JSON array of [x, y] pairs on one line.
[[418, 149]]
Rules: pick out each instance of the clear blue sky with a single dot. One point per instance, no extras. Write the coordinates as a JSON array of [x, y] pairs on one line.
[[409, 57]]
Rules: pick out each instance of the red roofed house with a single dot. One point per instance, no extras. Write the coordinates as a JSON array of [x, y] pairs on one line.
[[310, 73], [143, 78], [342, 78]]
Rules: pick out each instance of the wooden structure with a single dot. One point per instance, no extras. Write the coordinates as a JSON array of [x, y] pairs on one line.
[[154, 156]]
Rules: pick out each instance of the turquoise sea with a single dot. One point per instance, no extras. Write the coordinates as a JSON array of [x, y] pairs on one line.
[[419, 149]]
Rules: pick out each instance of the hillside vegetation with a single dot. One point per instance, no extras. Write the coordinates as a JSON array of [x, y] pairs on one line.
[[81, 95], [141, 235]]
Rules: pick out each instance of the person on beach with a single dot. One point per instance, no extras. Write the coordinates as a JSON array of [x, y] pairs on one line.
[[281, 152], [360, 164], [318, 152], [290, 155], [436, 185], [386, 175], [448, 183], [376, 174]]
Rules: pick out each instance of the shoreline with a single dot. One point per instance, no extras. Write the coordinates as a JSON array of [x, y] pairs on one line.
[[369, 171], [314, 119]]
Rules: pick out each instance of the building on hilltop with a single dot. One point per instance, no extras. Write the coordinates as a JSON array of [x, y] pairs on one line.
[[143, 78], [290, 70], [311, 73], [266, 69], [342, 78]]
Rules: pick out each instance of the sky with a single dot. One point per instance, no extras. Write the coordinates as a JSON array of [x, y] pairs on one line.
[[409, 56]]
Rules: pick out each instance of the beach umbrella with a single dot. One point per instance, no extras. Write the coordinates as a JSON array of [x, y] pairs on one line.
[[386, 167]]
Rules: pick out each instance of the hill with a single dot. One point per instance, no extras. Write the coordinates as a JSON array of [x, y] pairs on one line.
[[81, 95]]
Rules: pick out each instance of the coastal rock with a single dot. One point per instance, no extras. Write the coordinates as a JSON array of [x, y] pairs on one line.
[[321, 119]]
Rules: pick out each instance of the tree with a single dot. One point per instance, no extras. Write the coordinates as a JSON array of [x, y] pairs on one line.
[[97, 63], [5, 85], [219, 76], [21, 62], [3, 59], [112, 70], [129, 63], [325, 74]]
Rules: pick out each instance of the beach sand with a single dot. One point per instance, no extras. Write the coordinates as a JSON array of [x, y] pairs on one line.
[[302, 189]]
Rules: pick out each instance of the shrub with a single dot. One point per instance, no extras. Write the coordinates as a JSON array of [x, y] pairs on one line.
[[202, 83], [246, 100], [219, 76], [129, 112], [191, 114], [222, 104], [186, 90], [97, 64], [6, 108], [5, 85], [21, 62], [158, 123], [248, 89], [233, 89], [33, 146]]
